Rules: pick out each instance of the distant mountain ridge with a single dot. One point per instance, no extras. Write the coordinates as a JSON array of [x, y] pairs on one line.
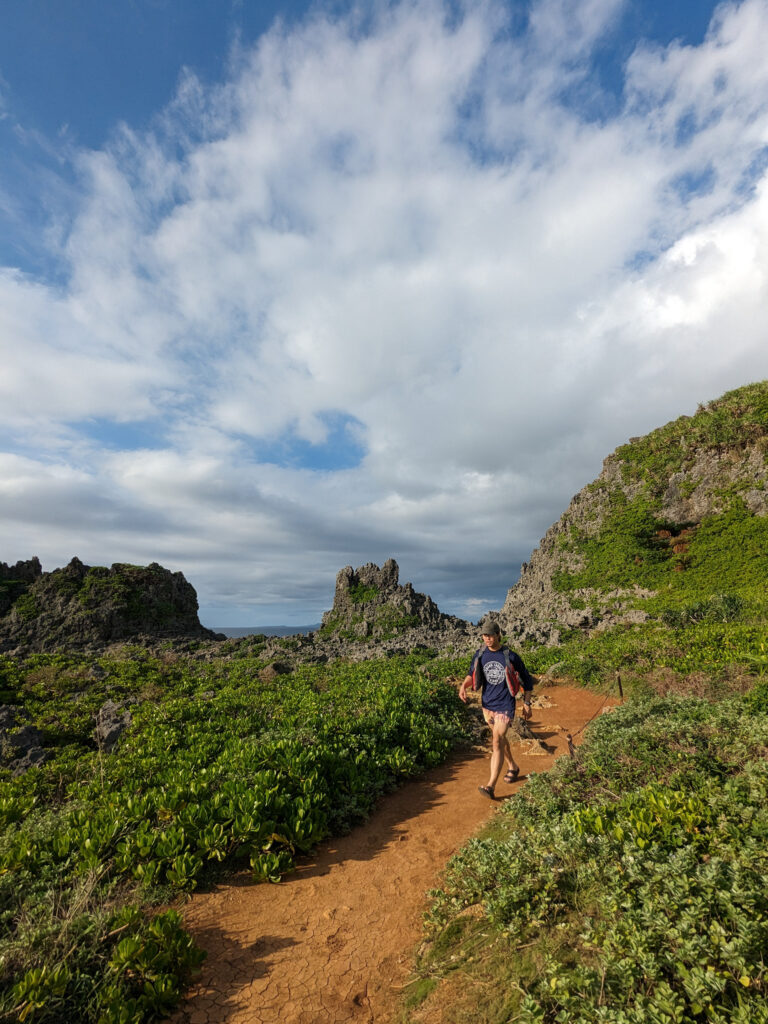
[[234, 632]]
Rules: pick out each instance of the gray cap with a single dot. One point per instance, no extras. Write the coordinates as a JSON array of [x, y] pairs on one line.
[[489, 626]]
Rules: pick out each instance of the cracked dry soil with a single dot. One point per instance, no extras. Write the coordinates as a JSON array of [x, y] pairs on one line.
[[333, 942]]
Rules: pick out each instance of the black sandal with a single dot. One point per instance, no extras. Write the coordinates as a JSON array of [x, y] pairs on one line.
[[512, 774], [487, 791]]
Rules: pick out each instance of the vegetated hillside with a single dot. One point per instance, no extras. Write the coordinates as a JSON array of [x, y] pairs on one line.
[[627, 885], [82, 605], [672, 535]]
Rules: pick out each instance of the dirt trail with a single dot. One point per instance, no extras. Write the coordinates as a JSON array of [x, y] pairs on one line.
[[332, 943]]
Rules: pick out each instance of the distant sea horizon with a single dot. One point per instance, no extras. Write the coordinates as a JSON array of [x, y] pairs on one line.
[[235, 632]]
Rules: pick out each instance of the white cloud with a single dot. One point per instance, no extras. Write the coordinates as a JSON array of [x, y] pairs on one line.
[[412, 225]]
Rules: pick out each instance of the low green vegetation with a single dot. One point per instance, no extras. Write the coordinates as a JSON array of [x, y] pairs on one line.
[[361, 593], [688, 653], [10, 590], [626, 885], [634, 548], [382, 623], [736, 419], [218, 771], [27, 607]]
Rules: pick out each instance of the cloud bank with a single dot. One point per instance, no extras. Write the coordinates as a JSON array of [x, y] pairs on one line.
[[393, 288]]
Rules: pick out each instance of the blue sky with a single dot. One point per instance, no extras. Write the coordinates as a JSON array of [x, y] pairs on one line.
[[286, 288]]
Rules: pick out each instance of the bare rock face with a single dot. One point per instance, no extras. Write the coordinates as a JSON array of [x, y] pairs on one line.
[[369, 602], [81, 606]]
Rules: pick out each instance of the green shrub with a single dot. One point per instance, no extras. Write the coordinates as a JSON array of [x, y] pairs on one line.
[[360, 593], [757, 698], [27, 607]]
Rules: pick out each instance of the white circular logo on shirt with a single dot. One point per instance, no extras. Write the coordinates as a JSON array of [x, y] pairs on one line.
[[494, 672]]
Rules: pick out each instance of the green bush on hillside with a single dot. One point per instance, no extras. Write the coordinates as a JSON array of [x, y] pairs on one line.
[[727, 552]]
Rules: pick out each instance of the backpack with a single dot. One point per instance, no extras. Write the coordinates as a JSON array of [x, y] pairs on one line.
[[514, 681]]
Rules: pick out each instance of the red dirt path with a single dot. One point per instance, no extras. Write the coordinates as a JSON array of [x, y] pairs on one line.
[[332, 943]]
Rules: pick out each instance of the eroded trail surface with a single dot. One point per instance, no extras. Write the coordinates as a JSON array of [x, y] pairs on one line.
[[332, 943]]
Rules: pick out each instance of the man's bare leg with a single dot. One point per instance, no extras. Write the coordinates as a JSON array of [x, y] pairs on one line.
[[512, 764], [500, 748]]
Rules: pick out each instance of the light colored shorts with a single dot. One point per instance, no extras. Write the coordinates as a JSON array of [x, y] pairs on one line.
[[492, 717]]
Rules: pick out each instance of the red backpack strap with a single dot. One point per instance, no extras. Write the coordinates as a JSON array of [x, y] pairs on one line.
[[475, 666], [514, 682]]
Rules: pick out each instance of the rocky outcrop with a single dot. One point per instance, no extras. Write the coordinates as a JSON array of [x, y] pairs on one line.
[[684, 485], [535, 612], [15, 580], [111, 723], [81, 606], [369, 602], [703, 486], [20, 744]]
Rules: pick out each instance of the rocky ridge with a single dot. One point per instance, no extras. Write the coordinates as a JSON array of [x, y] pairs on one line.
[[96, 610], [683, 474], [81, 606], [370, 602], [535, 612], [703, 481]]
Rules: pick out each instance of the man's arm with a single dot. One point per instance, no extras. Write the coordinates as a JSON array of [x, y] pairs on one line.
[[469, 678], [463, 688]]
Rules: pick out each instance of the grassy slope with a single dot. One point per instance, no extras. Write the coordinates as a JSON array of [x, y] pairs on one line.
[[628, 885], [710, 607]]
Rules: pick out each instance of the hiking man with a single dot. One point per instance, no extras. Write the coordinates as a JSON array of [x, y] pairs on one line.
[[499, 673]]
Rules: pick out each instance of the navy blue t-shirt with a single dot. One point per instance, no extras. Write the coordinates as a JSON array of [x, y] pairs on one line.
[[496, 695]]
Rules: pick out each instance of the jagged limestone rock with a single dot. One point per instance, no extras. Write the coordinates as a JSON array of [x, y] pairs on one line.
[[273, 671], [81, 606], [20, 745], [370, 602], [15, 581]]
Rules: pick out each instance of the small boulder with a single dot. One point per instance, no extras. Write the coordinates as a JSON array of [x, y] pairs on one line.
[[25, 738], [9, 716], [33, 756], [111, 723], [271, 672]]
